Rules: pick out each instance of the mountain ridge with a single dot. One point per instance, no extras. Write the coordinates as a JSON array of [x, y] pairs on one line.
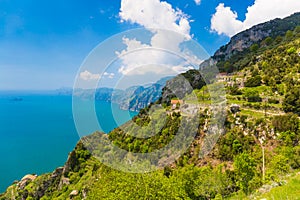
[[133, 98], [260, 144], [246, 38]]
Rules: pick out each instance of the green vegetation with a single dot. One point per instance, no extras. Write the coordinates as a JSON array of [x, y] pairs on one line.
[[292, 100], [258, 150], [253, 82], [289, 189]]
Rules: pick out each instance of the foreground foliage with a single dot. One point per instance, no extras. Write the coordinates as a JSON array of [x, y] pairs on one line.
[[259, 147]]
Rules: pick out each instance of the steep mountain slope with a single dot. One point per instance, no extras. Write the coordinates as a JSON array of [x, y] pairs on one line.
[[259, 147], [133, 98], [230, 57], [243, 40]]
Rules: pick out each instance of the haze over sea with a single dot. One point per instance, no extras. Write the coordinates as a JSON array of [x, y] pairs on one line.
[[37, 132]]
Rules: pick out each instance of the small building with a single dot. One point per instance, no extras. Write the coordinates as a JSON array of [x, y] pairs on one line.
[[221, 75], [175, 103], [224, 77]]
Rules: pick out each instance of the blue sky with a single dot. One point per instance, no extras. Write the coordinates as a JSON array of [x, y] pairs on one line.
[[43, 43]]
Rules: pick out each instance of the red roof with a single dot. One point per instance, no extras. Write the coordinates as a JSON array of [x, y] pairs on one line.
[[175, 101]]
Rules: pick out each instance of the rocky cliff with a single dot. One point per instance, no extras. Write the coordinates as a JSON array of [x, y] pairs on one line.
[[233, 165], [133, 98], [244, 40]]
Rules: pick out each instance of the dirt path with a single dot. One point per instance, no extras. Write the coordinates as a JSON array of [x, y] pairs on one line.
[[263, 112]]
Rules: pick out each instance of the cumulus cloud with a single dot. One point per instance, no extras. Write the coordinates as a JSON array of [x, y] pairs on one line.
[[88, 76], [139, 58], [225, 21], [109, 75], [198, 2], [154, 14], [134, 56], [162, 70]]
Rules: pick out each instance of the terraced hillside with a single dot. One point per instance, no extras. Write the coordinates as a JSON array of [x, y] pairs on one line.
[[256, 156]]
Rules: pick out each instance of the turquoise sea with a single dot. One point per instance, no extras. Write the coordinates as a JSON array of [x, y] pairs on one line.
[[37, 132]]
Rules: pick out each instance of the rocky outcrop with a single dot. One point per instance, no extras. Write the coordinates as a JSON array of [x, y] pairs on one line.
[[243, 40], [36, 187], [25, 180], [142, 97], [182, 84], [133, 98], [51, 181], [74, 193]]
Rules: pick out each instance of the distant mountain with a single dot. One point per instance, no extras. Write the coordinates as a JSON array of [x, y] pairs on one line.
[[261, 34], [133, 98], [140, 97], [182, 84], [259, 149], [231, 57], [64, 91]]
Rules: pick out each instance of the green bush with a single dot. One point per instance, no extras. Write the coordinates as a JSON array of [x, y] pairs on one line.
[[245, 169], [287, 122], [253, 81], [280, 164], [234, 90], [291, 101], [254, 47], [291, 50], [252, 96], [273, 101]]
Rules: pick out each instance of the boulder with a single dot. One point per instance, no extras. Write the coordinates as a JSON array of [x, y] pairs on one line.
[[74, 193]]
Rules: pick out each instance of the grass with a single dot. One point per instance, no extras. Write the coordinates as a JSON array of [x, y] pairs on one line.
[[290, 191], [253, 113], [260, 89], [234, 101]]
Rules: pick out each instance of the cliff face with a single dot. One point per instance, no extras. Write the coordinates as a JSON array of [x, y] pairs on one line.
[[133, 98], [243, 40], [138, 97], [182, 85], [84, 177], [142, 97], [58, 181]]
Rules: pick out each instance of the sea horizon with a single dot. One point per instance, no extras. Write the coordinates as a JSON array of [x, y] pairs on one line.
[[38, 131]]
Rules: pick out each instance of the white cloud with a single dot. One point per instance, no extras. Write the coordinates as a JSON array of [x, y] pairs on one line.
[[225, 21], [134, 56], [131, 45], [181, 68], [198, 2], [156, 16], [147, 69], [140, 59], [162, 70], [88, 76], [109, 75]]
